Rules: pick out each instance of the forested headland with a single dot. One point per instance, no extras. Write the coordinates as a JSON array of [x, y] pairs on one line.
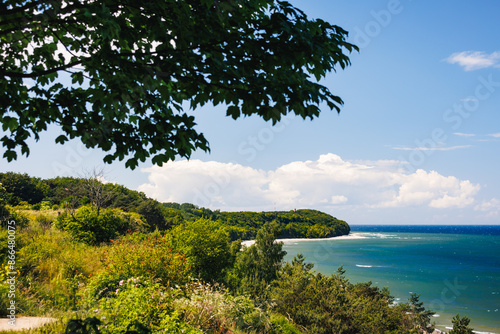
[[102, 258], [75, 195]]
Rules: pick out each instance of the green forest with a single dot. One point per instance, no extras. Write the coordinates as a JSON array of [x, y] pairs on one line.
[[101, 258], [74, 197]]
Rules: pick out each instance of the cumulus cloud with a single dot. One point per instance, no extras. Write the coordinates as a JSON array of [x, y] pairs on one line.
[[433, 190], [492, 204], [474, 60], [491, 208], [325, 184]]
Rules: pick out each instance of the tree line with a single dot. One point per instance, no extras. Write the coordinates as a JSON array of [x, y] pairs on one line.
[[133, 210]]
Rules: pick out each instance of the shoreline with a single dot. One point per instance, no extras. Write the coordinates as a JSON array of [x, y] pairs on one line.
[[350, 236]]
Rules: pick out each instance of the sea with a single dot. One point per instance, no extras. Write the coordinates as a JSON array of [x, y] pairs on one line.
[[454, 269]]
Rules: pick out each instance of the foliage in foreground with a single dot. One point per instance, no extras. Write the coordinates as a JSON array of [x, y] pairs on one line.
[[129, 84], [461, 325]]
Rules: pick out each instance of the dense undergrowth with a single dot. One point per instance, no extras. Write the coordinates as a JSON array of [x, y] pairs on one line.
[[103, 269]]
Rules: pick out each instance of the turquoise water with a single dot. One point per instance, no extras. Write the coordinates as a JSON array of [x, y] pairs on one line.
[[454, 269]]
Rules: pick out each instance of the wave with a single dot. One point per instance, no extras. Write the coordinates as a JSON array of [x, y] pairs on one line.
[[369, 266]]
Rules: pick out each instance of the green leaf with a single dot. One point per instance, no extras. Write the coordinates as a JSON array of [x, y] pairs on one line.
[[61, 139], [233, 111]]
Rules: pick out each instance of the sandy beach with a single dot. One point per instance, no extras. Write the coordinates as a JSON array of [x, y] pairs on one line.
[[355, 235]]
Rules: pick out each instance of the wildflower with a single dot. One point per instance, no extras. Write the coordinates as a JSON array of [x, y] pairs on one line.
[[116, 292], [120, 283]]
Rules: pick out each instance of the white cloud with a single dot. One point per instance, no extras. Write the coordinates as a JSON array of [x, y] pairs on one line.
[[464, 134], [495, 135], [488, 205], [338, 199], [328, 183], [491, 207], [474, 60], [437, 148], [433, 190]]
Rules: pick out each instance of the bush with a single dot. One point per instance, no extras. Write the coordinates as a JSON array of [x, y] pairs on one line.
[[22, 187], [53, 267], [138, 302], [88, 226], [461, 325], [280, 324], [207, 248], [214, 311], [139, 255], [4, 290], [44, 221], [20, 218], [332, 304], [257, 266]]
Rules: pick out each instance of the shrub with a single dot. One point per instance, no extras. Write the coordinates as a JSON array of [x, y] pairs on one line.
[[89, 226], [207, 248], [23, 205], [140, 301], [332, 304], [214, 311], [461, 325], [53, 267], [20, 218], [44, 221], [281, 324], [139, 255], [257, 266], [4, 290]]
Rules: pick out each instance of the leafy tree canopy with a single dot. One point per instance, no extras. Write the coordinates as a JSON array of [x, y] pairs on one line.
[[461, 325], [117, 74]]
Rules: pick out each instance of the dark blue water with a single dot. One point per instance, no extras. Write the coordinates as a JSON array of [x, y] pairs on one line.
[[455, 269], [448, 229]]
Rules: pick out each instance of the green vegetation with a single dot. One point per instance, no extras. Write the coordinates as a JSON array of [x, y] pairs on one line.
[[80, 201], [108, 268], [461, 325], [130, 84]]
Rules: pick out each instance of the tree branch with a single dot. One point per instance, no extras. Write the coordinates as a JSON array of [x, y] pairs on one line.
[[40, 73]]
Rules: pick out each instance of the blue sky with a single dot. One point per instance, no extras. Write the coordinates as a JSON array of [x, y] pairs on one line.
[[416, 142]]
